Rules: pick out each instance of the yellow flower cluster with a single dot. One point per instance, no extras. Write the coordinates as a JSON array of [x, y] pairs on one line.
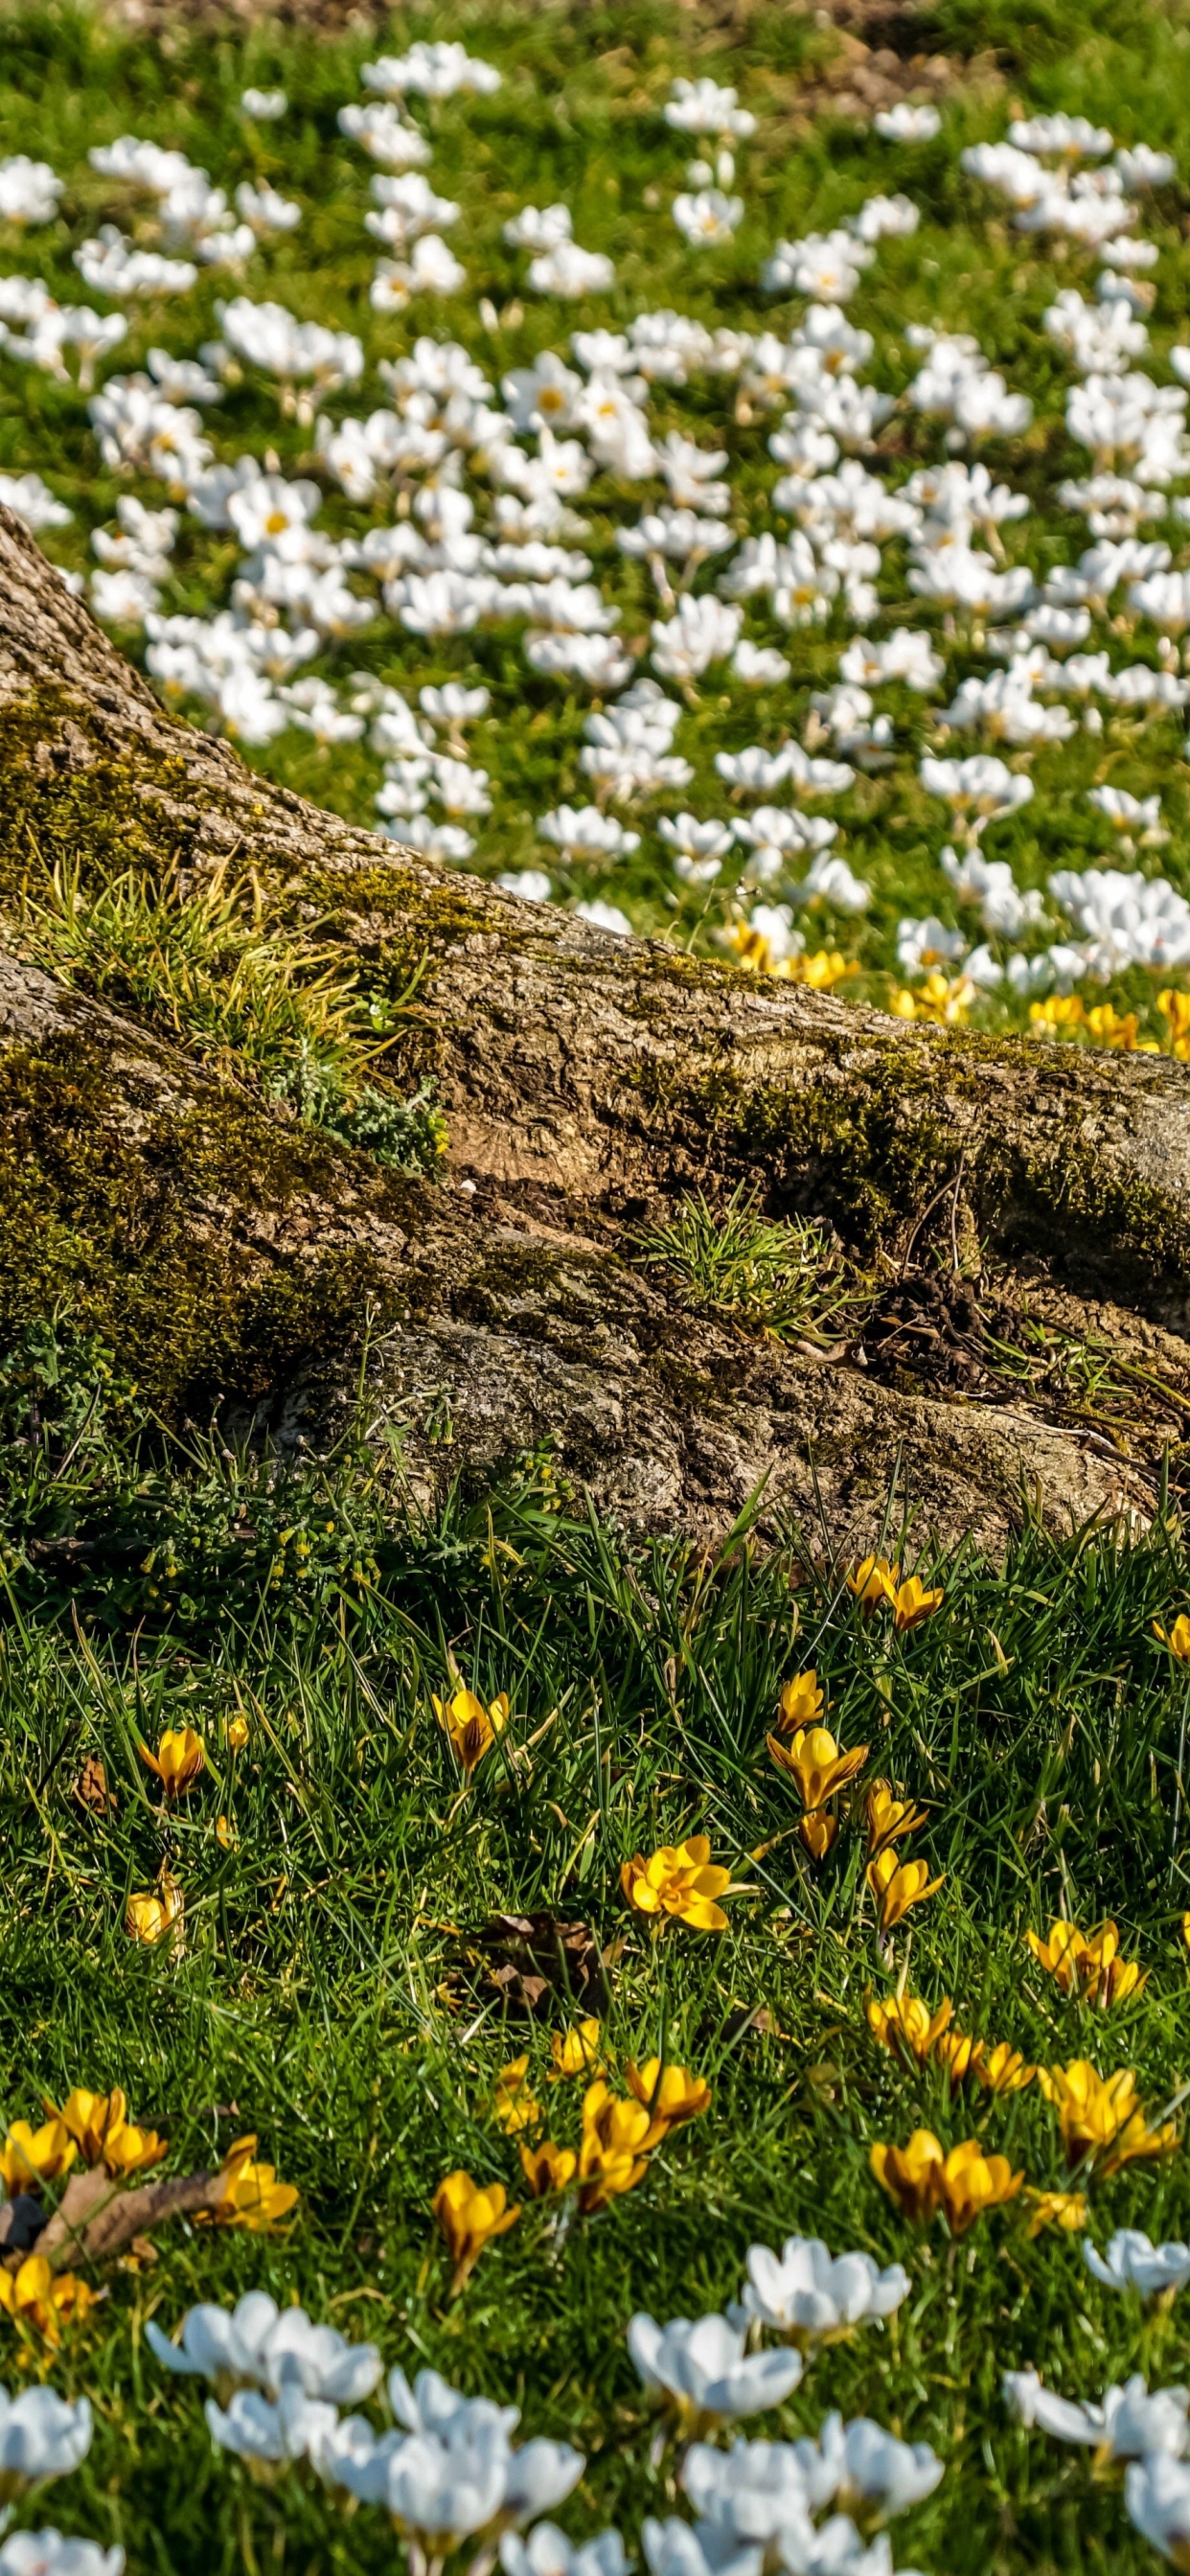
[[618, 2133], [821, 1769], [1088, 1964], [909, 2030], [923, 2180]]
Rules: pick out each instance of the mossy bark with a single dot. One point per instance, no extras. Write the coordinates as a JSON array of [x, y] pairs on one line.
[[588, 1082]]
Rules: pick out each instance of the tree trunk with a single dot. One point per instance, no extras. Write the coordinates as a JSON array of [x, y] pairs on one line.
[[231, 1253]]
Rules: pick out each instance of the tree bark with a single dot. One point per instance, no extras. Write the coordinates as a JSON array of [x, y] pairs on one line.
[[231, 1253]]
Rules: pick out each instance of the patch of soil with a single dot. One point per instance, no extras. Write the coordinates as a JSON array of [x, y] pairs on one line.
[[1052, 1357], [885, 63]]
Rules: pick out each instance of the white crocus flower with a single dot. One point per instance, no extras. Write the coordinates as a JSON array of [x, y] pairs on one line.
[[708, 842], [707, 217], [41, 2437], [265, 210], [830, 881], [46, 2553], [569, 271], [266, 2435], [531, 884], [704, 107], [673, 2549], [264, 106], [29, 191], [757, 2491], [582, 832], [759, 666], [1133, 2262], [874, 2473], [32, 500], [906, 124], [384, 133], [701, 631], [1128, 2424], [1157, 2495], [438, 70], [702, 2369], [547, 2552]]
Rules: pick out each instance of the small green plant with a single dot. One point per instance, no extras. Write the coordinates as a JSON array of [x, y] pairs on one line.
[[781, 1276], [248, 1000]]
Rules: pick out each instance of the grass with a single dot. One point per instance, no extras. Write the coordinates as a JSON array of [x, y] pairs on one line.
[[206, 967], [331, 1995], [579, 117], [778, 1276]]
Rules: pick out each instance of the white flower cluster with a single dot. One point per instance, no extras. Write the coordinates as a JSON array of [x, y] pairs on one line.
[[449, 2471], [42, 2437], [1147, 2431], [471, 481]]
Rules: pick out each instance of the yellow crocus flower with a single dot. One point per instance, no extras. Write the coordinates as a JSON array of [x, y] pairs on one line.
[[612, 2156], [42, 2302], [896, 1885], [815, 1764], [1100, 2117], [179, 1758], [252, 2196], [99, 2124], [958, 2054], [471, 1727], [906, 2026], [889, 1819], [512, 2102], [910, 2174], [679, 1881], [1002, 2069], [149, 1918], [1175, 1007], [237, 1733], [1176, 1638], [1088, 1964], [30, 2157], [1066, 2209], [912, 1603], [547, 2168], [800, 1704], [469, 2215], [873, 1581], [669, 2093], [575, 2052]]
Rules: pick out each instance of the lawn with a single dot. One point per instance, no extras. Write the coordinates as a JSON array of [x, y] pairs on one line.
[[296, 1936], [328, 1987]]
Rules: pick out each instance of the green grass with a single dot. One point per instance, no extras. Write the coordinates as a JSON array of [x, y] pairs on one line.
[[579, 117], [327, 1999]]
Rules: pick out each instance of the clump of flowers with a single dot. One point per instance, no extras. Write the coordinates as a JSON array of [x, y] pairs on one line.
[[43, 2303], [876, 1583], [906, 2026], [1088, 1964], [964, 2185], [1100, 2118]]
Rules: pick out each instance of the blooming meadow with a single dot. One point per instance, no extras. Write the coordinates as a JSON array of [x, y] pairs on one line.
[[552, 452], [522, 2048]]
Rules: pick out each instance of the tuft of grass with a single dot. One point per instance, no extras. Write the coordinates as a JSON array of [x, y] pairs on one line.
[[781, 1277], [202, 963]]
